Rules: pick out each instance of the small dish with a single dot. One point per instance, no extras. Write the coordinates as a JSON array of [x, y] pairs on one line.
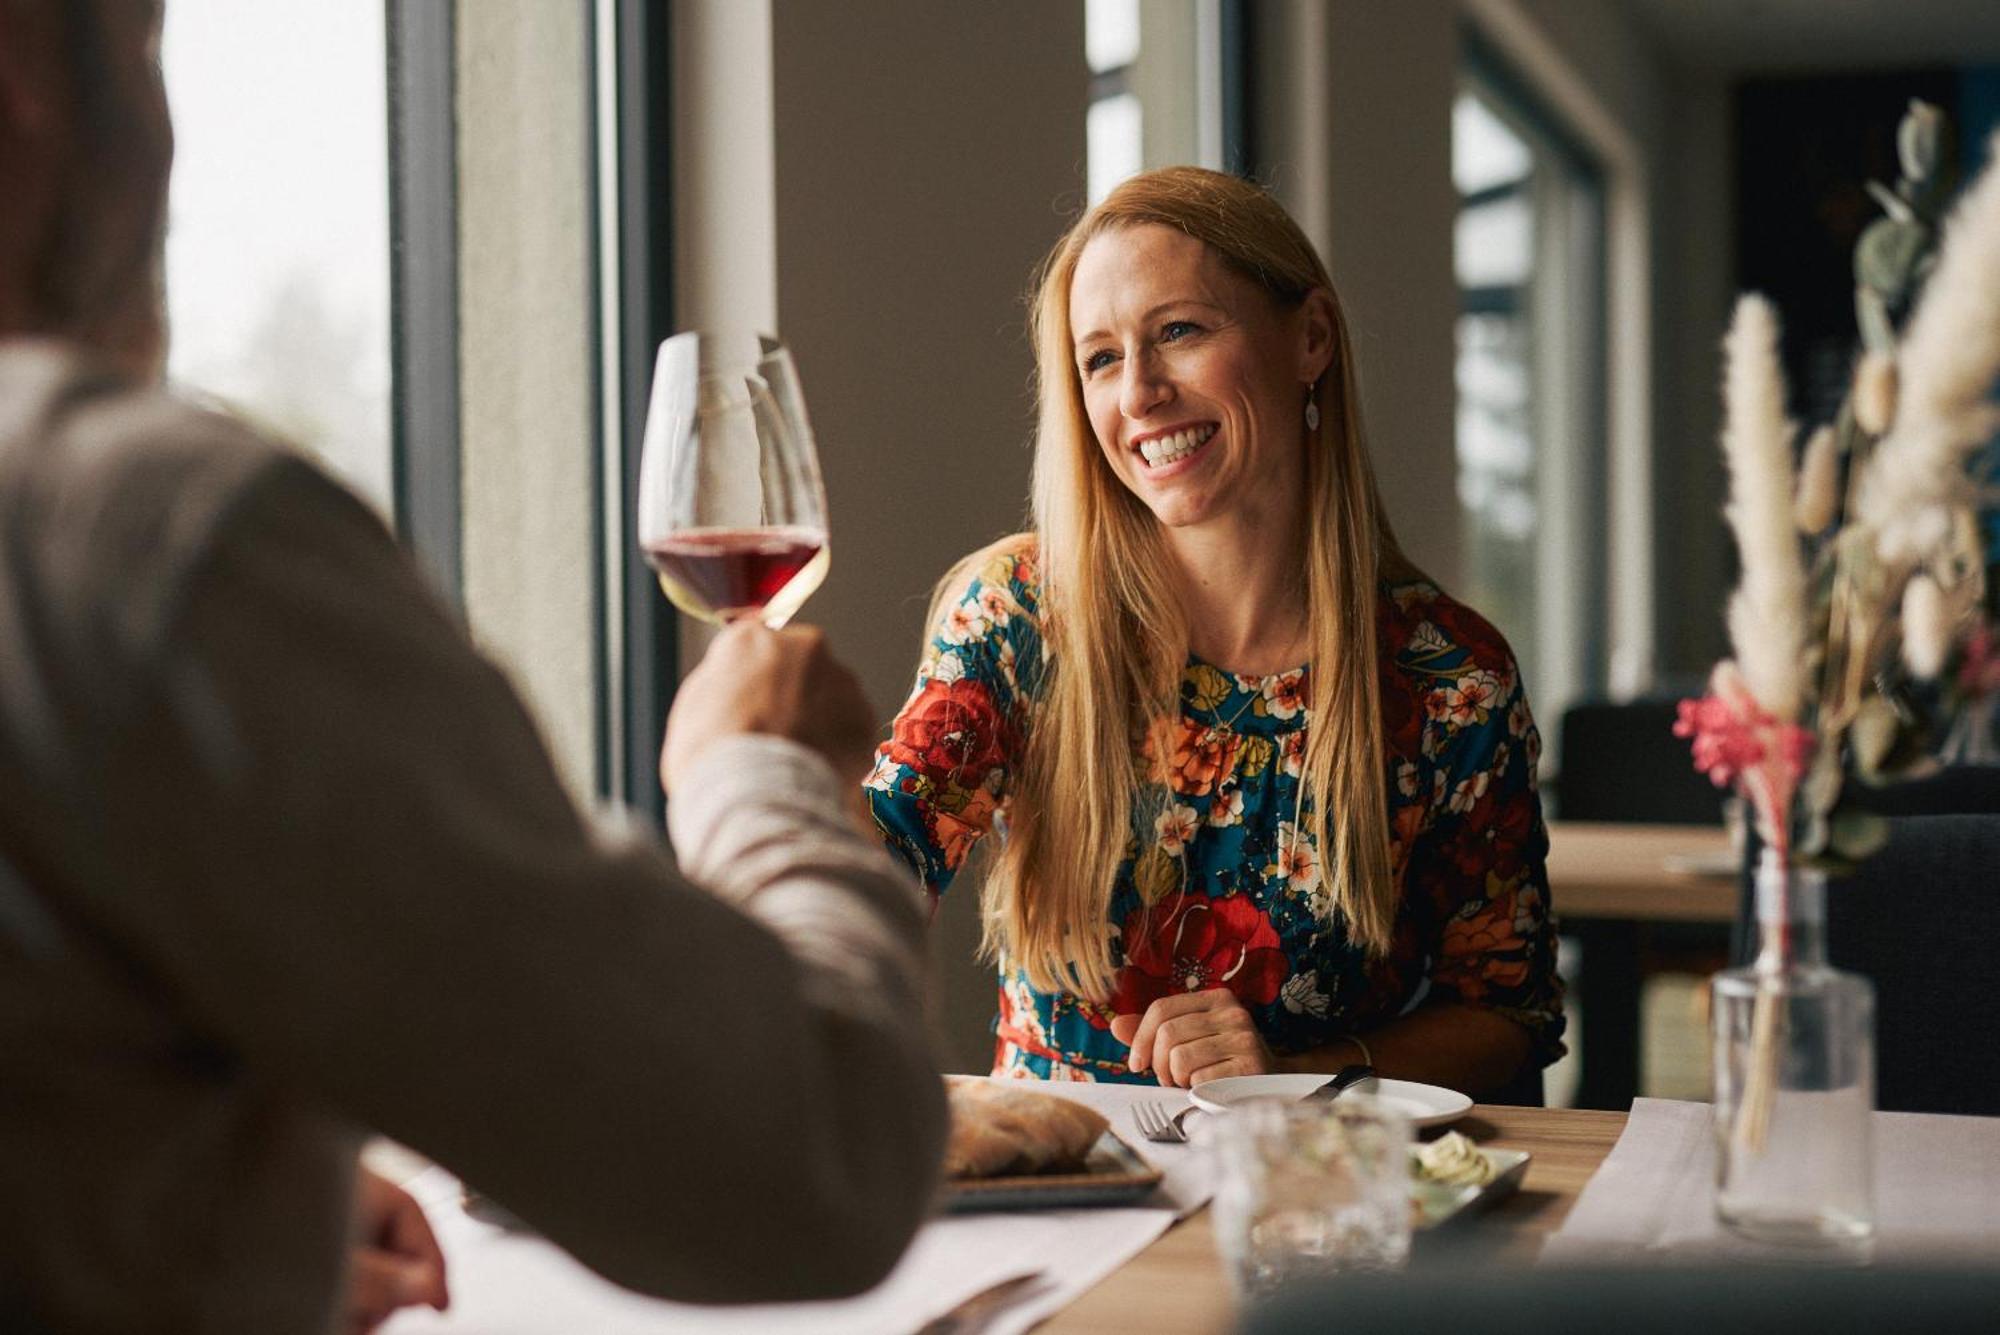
[[1427, 1105], [1438, 1203], [1113, 1174]]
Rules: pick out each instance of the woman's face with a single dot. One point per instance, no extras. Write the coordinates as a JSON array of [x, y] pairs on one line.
[[1194, 380]]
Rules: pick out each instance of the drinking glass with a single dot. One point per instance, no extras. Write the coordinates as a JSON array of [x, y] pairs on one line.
[[732, 513], [1308, 1189]]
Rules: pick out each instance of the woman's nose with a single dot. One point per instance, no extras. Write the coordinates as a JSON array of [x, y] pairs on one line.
[[1144, 388]]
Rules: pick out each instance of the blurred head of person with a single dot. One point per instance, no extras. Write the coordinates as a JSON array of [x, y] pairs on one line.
[[85, 148], [1193, 367]]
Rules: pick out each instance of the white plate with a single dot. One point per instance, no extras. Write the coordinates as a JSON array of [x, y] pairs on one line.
[[1427, 1105]]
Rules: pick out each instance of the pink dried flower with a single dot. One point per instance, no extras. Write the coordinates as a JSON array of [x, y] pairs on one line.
[[1726, 743], [1738, 742], [1979, 673]]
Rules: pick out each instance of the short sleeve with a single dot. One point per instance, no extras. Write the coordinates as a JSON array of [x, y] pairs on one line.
[[941, 778]]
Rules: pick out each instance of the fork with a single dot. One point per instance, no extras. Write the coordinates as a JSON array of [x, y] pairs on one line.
[[1155, 1124]]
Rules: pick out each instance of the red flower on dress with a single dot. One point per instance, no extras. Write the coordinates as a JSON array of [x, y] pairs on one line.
[[952, 729], [1202, 943], [1402, 713]]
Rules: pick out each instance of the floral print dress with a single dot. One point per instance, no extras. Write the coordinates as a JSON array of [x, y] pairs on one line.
[[1235, 890]]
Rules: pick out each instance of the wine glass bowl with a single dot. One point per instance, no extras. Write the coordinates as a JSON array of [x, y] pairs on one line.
[[732, 511]]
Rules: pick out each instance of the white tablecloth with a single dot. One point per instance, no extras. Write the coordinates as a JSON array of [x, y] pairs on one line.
[[516, 1284], [1937, 1192]]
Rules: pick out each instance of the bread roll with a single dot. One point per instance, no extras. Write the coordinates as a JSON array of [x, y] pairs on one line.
[[1000, 1130]]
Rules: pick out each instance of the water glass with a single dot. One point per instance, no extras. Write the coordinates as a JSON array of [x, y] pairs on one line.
[[1309, 1189]]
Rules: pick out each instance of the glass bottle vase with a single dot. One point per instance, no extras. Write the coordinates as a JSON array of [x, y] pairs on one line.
[[1794, 1056]]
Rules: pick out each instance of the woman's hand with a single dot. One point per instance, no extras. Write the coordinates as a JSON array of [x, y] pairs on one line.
[[396, 1261], [1195, 1036]]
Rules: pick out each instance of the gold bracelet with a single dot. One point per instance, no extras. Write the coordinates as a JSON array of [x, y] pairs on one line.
[[1367, 1057]]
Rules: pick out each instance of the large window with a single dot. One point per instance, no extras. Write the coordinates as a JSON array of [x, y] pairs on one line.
[[1530, 435], [1163, 87], [278, 222]]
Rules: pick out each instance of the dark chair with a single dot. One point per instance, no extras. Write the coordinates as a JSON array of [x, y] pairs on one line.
[[1921, 919], [1956, 790], [1523, 1091], [1659, 1300], [1621, 761]]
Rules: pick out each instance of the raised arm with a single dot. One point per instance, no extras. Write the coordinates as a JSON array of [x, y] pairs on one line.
[[347, 858], [940, 778]]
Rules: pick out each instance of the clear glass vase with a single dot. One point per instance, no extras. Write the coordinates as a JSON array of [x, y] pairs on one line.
[[1794, 1053]]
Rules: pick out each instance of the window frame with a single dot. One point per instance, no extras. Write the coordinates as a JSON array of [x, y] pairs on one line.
[[1570, 424], [423, 287], [638, 631]]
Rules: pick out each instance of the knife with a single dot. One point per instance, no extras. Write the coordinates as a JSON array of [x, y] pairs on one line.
[[1345, 1078]]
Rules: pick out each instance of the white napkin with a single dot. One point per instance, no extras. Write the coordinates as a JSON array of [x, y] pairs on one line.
[[517, 1284], [1937, 1192], [1185, 1185]]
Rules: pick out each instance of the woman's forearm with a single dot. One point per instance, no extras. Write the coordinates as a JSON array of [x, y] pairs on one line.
[[1445, 1043]]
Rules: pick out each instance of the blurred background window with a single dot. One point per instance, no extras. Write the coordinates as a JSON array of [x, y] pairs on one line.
[[1530, 445], [1165, 87], [278, 222]]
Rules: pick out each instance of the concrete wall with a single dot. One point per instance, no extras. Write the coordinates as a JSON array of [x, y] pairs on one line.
[[1354, 117], [916, 163], [1697, 243]]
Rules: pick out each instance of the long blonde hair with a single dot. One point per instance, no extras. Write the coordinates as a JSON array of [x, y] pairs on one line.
[[1115, 637]]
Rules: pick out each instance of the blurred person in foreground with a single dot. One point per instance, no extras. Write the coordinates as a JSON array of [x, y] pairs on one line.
[[1267, 792], [283, 861]]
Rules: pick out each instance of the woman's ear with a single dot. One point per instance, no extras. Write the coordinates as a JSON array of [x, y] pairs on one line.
[[1318, 320]]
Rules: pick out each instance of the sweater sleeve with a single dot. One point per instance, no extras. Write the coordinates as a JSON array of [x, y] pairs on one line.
[[348, 860]]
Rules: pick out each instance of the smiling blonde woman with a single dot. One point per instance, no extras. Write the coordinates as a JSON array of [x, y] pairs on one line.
[[1267, 794]]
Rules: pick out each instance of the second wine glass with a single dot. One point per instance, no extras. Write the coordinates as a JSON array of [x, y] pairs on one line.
[[732, 511]]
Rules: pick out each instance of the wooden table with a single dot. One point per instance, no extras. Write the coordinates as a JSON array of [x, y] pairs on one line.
[[1607, 872], [1616, 888], [1177, 1287]]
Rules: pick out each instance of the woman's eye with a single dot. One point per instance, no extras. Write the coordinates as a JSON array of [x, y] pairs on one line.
[[1179, 329], [1096, 361]]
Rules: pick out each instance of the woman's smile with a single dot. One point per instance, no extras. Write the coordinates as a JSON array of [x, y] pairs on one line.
[[1162, 450]]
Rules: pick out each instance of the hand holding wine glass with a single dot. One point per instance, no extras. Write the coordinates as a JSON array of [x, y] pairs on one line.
[[784, 684], [732, 512]]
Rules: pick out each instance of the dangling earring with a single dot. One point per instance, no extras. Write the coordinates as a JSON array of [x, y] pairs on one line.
[[1312, 408]]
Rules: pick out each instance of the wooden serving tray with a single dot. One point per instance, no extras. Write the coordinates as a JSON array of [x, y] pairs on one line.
[[1113, 1174]]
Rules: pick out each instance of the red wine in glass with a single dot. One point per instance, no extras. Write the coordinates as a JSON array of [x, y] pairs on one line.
[[733, 574]]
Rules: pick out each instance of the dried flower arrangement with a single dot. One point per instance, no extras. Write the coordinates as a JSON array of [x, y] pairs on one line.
[[1863, 578]]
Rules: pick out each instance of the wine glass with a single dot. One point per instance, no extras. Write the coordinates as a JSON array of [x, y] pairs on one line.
[[732, 514]]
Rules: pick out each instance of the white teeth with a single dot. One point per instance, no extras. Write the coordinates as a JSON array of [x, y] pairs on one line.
[[1166, 449]]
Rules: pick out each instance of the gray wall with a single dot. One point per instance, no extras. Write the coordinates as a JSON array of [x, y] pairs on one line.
[[926, 156], [1372, 188]]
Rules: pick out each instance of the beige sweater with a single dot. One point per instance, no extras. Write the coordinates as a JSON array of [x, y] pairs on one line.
[[283, 861]]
